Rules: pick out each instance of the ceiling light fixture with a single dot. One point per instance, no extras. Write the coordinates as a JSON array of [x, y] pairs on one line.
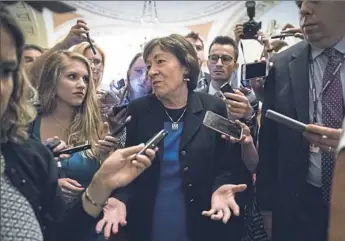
[[149, 13]]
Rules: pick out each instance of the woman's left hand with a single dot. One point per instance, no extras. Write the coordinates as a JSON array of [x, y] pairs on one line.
[[108, 144], [223, 202], [58, 148]]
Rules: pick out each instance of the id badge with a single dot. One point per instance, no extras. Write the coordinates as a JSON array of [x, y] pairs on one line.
[[314, 149]]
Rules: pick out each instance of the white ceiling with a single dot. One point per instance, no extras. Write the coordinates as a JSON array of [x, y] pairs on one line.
[[167, 11]]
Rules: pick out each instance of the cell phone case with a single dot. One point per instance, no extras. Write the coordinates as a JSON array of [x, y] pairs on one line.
[[222, 125]]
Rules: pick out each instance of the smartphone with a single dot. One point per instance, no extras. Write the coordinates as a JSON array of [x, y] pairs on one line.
[[120, 84], [282, 35], [118, 108], [75, 148], [121, 126], [154, 141], [254, 70], [227, 88], [222, 125], [52, 144], [285, 120]]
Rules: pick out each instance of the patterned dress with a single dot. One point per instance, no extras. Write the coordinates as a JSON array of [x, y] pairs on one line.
[[18, 221]]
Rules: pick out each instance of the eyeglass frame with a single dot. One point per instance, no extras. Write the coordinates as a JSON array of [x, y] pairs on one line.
[[220, 57], [92, 61]]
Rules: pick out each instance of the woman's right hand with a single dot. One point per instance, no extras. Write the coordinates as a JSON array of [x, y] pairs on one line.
[[68, 185], [76, 35]]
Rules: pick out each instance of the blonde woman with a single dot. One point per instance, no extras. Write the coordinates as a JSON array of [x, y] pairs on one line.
[[96, 60], [69, 111]]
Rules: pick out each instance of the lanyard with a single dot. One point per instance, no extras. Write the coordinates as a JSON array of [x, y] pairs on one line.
[[316, 98]]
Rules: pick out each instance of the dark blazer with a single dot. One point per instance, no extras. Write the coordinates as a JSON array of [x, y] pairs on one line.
[[284, 154], [33, 171], [206, 160]]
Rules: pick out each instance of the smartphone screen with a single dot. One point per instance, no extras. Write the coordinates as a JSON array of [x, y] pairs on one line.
[[226, 88], [222, 125], [254, 70]]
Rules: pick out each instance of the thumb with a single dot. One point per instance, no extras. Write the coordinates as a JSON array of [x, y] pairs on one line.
[[240, 188], [73, 182], [106, 129], [238, 92]]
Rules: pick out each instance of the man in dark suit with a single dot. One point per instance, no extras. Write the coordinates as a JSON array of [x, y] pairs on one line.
[[306, 83]]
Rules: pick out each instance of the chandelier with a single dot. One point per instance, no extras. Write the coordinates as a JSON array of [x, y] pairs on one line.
[[149, 13]]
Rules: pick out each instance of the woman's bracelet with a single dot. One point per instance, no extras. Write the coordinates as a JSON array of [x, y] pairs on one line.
[[87, 196]]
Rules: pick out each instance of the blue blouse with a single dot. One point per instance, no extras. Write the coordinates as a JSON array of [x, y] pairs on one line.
[[78, 167]]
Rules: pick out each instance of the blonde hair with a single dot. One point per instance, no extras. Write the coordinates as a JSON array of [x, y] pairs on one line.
[[87, 123], [83, 47]]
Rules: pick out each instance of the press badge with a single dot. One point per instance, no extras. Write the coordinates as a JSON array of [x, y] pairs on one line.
[[314, 149]]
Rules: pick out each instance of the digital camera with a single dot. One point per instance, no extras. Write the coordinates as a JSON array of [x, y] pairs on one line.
[[250, 28]]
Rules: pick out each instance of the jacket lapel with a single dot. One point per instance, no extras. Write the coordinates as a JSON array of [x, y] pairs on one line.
[[192, 122], [299, 74]]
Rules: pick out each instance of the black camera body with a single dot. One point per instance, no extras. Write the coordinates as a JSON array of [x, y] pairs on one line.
[[250, 28]]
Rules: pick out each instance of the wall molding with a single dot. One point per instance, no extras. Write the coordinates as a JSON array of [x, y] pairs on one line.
[[31, 23]]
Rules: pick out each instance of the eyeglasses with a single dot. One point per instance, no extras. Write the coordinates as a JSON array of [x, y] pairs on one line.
[[226, 59], [95, 62]]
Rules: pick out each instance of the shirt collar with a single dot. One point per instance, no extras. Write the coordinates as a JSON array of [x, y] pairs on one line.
[[340, 46]]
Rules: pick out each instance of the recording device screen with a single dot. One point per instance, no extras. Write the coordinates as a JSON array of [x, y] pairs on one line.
[[226, 88], [254, 70], [222, 125]]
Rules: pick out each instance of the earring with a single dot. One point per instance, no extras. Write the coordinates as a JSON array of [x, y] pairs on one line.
[[186, 79]]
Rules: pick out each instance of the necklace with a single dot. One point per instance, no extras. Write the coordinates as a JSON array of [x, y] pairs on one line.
[[174, 125], [59, 123]]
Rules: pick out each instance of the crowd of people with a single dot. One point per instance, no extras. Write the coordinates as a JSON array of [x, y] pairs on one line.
[[196, 184]]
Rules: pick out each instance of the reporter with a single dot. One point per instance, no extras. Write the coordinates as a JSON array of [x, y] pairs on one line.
[[69, 109], [31, 203]]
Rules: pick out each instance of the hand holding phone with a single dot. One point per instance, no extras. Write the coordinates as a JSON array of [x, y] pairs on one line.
[[154, 141], [51, 145], [226, 88]]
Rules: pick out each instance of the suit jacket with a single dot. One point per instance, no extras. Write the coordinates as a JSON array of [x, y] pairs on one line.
[[206, 160], [284, 154]]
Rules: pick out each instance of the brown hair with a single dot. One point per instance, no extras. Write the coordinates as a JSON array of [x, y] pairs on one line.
[[19, 112], [195, 36], [184, 52]]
